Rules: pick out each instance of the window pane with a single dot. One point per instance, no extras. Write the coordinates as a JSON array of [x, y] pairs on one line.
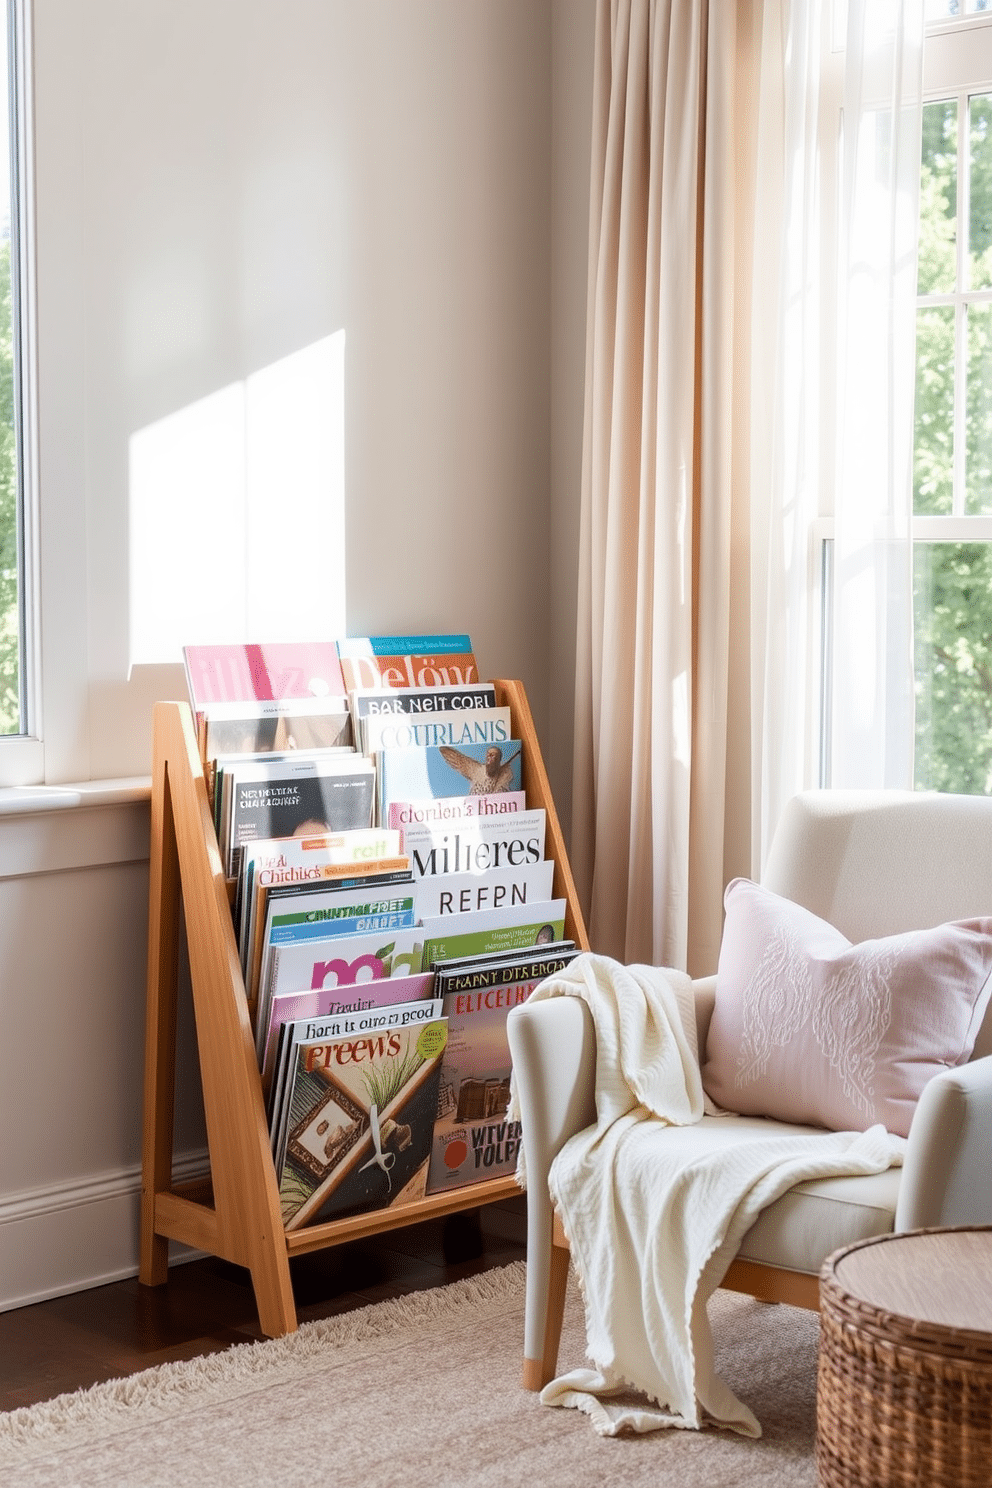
[[936, 267], [933, 454], [980, 223], [953, 643], [10, 709], [978, 476]]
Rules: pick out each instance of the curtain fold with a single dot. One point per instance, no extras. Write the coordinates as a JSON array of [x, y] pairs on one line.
[[873, 696], [730, 398], [787, 448], [652, 659]]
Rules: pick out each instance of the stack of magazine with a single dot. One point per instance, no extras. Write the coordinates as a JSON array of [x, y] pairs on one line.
[[392, 900]]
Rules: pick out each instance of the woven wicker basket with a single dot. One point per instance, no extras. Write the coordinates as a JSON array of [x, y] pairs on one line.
[[900, 1403]]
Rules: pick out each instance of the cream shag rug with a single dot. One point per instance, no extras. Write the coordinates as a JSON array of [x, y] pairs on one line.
[[422, 1390]]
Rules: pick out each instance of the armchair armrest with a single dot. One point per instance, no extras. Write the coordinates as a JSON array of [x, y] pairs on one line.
[[553, 1048], [947, 1170]]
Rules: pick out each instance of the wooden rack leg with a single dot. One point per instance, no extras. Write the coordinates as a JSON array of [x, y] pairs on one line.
[[274, 1290], [160, 1030]]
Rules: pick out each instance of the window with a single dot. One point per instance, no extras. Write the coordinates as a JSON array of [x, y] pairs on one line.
[[14, 704], [952, 467]]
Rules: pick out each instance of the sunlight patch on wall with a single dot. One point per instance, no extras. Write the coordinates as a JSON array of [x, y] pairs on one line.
[[236, 512]]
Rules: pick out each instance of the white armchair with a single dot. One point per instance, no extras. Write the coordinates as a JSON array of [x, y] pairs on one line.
[[872, 864]]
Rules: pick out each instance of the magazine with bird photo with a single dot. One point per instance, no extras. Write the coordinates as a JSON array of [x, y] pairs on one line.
[[422, 771]]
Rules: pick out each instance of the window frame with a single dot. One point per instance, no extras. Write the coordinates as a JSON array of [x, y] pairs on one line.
[[22, 757]]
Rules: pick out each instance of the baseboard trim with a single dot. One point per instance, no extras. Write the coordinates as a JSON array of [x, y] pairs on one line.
[[73, 1236]]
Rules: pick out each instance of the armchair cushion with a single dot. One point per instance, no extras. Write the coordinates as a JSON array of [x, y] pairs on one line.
[[808, 1027]]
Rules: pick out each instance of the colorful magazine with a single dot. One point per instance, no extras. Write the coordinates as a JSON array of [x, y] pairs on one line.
[[407, 661], [464, 893], [387, 1012], [472, 1138], [360, 1117], [331, 860], [416, 774], [437, 810], [409, 731], [331, 1002], [368, 703], [476, 846], [489, 932], [344, 960], [318, 912], [254, 673]]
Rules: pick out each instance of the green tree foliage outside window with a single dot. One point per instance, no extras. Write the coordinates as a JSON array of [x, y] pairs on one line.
[[10, 712], [953, 599], [953, 580]]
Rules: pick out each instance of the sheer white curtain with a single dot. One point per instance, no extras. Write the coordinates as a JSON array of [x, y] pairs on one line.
[[838, 285], [788, 441], [873, 694]]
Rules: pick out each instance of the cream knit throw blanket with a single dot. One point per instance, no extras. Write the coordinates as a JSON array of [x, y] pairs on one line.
[[651, 1230]]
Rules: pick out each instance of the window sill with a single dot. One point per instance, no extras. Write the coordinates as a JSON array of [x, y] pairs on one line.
[[33, 800]]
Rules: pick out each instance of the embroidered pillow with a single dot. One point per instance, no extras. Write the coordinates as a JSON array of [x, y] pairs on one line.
[[810, 1028]]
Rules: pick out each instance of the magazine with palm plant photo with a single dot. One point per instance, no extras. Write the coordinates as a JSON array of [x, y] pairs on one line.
[[360, 1106]]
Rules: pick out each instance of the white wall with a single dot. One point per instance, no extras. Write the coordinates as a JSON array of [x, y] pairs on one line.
[[221, 183], [224, 182]]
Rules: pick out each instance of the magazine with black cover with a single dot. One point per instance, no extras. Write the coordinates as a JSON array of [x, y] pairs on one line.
[[473, 1139], [296, 796]]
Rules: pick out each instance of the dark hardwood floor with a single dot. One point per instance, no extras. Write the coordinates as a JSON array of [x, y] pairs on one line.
[[71, 1342]]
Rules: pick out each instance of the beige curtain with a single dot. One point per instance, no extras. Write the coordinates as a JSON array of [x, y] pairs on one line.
[[661, 811]]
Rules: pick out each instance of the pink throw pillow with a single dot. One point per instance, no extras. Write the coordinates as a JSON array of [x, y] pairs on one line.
[[810, 1028]]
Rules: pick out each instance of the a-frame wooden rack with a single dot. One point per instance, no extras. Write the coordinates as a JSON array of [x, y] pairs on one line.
[[235, 1213]]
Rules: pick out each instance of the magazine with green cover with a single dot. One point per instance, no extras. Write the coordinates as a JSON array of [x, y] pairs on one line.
[[485, 931]]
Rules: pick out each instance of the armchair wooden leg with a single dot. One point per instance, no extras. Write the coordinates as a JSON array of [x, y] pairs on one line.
[[538, 1372]]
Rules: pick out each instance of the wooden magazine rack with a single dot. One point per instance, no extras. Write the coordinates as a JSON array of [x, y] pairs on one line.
[[235, 1212]]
